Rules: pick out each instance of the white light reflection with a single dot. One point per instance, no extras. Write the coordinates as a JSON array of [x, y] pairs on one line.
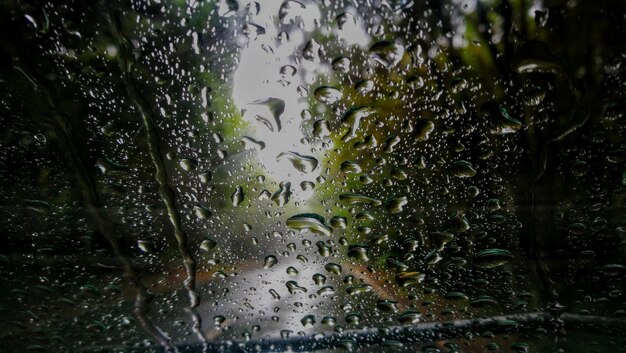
[[281, 32], [260, 89], [258, 78]]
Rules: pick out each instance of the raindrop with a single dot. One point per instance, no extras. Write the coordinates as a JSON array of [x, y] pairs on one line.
[[406, 278], [396, 204], [341, 64], [326, 291], [339, 222], [350, 167], [146, 246], [359, 252], [238, 196], [270, 261], [364, 87], [462, 169], [205, 177], [344, 18], [266, 111], [327, 94], [353, 319], [490, 258], [409, 317], [294, 288], [387, 53], [274, 294], [356, 199], [388, 306], [506, 124], [333, 268], [308, 321], [108, 167], [359, 289], [323, 249], [252, 30], [288, 71], [310, 221], [302, 163], [424, 129], [251, 144], [311, 50], [307, 185], [292, 271], [201, 211], [208, 244], [321, 129], [282, 195], [319, 279], [353, 118]]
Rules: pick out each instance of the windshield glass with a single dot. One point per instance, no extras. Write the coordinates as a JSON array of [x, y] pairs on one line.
[[256, 176]]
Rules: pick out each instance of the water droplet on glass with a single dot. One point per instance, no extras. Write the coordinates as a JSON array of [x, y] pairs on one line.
[[407, 278], [327, 94], [387, 53], [490, 258], [308, 321], [353, 118], [302, 163], [359, 289], [292, 271], [294, 288], [208, 244], [345, 18], [353, 319], [288, 71], [333, 268], [350, 167], [423, 130], [252, 30], [339, 222], [462, 169], [326, 291], [356, 199], [307, 185], [108, 167], [311, 221], [505, 124], [146, 246], [319, 279], [364, 87], [266, 111], [329, 320], [341, 64], [321, 129], [270, 261], [396, 204], [281, 196], [238, 196], [290, 10], [359, 252], [251, 144], [409, 317], [311, 50], [201, 211], [388, 306], [205, 177], [274, 294]]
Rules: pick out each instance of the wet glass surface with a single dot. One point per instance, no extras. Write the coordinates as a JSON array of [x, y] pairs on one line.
[[272, 176]]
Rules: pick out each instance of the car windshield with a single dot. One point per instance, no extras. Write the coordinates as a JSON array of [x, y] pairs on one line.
[[312, 176]]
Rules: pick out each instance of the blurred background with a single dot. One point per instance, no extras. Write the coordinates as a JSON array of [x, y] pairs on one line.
[[245, 176]]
